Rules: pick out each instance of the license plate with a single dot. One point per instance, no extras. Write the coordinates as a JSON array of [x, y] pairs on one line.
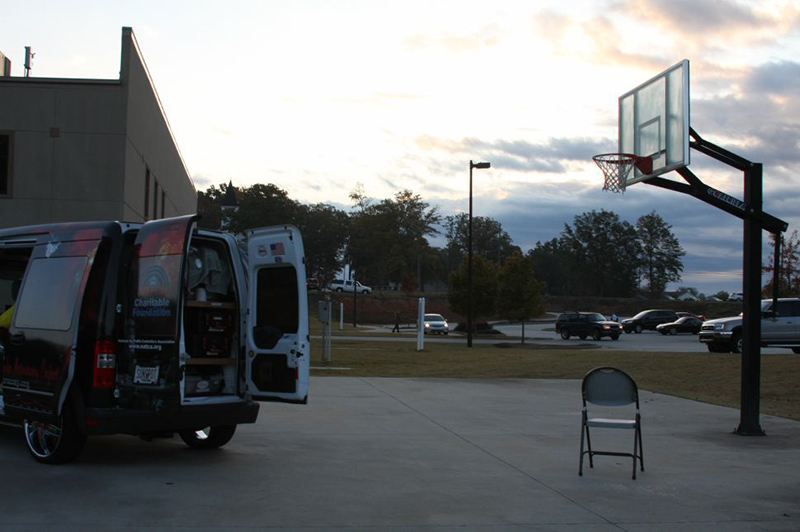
[[146, 375]]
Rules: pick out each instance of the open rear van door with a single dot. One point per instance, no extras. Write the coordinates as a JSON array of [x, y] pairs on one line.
[[278, 350], [149, 340]]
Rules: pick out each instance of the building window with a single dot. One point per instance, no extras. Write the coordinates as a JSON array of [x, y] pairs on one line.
[[155, 198], [146, 193], [5, 165], [163, 201]]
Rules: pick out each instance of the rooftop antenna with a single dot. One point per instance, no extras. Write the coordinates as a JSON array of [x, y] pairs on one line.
[[28, 57]]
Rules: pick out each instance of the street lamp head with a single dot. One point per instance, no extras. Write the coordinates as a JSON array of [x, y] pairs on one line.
[[480, 165]]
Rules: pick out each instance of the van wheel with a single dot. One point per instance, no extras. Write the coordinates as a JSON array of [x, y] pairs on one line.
[[596, 335], [565, 334], [208, 437], [796, 350], [55, 443], [638, 329], [673, 331]]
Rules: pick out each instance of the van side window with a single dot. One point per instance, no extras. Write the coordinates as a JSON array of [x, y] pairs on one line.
[[276, 304], [47, 300]]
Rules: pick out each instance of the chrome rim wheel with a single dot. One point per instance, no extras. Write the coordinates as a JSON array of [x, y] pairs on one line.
[[43, 438], [202, 434]]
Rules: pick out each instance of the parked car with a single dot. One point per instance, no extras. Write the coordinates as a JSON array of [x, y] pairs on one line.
[[779, 328], [736, 296], [648, 320], [585, 324], [686, 324], [149, 329], [690, 315], [340, 285], [436, 324], [312, 283]]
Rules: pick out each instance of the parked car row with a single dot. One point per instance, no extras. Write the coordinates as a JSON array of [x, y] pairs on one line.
[[596, 326]]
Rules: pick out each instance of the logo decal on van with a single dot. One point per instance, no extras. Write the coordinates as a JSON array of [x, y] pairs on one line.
[[155, 277], [52, 246]]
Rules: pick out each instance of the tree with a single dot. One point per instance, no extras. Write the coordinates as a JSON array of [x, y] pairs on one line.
[[722, 295], [551, 262], [324, 229], [519, 294], [603, 255], [387, 240], [488, 239], [789, 268], [660, 253], [485, 284], [262, 206], [208, 207]]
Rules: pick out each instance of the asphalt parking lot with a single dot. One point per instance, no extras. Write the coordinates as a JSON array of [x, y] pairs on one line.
[[422, 454]]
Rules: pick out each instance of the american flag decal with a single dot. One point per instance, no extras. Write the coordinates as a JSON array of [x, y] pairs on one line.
[[277, 249]]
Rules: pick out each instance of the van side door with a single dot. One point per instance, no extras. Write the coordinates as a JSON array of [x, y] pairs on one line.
[[39, 362], [278, 350]]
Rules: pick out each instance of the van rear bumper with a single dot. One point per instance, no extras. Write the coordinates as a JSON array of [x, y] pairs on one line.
[[136, 422]]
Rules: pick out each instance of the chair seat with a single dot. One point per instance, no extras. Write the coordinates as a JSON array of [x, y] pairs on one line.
[[612, 423]]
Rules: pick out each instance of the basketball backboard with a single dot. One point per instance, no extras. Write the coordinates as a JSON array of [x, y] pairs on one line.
[[654, 122]]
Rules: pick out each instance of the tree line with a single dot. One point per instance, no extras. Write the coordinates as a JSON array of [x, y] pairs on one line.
[[386, 243]]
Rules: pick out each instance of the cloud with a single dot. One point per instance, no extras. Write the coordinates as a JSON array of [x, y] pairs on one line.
[[716, 23], [520, 155], [778, 78], [486, 37]]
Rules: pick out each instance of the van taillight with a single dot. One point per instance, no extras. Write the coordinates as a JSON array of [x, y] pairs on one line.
[[105, 364]]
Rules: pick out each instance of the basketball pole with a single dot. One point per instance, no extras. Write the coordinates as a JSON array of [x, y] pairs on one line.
[[755, 221]]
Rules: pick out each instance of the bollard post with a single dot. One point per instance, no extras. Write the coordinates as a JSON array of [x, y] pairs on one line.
[[421, 324]]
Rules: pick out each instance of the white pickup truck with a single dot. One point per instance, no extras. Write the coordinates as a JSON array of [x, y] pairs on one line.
[[348, 286], [779, 328]]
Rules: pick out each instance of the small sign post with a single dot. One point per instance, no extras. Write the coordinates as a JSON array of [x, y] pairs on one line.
[[324, 316], [421, 325]]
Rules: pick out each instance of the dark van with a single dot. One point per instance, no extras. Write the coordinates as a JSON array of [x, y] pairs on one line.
[[149, 330]]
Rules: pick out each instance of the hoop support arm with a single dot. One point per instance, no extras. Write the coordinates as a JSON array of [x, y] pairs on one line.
[[718, 199], [717, 152]]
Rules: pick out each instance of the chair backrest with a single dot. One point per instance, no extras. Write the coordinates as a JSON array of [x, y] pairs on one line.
[[608, 386]]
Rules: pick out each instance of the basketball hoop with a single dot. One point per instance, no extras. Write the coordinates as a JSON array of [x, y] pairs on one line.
[[617, 167]]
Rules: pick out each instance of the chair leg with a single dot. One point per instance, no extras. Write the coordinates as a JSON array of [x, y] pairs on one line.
[[641, 449], [589, 447], [635, 448], [580, 462]]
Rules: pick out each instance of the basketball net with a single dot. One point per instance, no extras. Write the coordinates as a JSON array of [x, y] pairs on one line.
[[616, 168]]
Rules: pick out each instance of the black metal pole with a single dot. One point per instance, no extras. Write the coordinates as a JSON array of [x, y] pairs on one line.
[[749, 423], [469, 263]]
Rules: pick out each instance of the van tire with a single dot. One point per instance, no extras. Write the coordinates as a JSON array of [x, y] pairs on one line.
[[208, 437], [55, 443]]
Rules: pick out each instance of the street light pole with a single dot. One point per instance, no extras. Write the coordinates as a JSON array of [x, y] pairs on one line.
[[469, 253]]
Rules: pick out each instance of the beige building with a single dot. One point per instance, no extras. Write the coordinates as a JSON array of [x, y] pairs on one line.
[[81, 149]]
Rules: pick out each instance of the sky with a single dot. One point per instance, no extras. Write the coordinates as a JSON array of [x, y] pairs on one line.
[[317, 96]]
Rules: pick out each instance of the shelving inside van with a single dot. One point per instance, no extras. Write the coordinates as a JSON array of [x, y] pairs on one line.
[[210, 323]]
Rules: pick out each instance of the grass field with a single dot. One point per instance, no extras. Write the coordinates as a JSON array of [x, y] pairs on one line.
[[706, 377]]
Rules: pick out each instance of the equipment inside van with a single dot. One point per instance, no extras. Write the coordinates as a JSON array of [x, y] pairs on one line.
[[148, 329]]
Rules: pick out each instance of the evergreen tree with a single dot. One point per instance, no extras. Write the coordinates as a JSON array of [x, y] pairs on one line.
[[660, 253], [485, 283], [520, 294]]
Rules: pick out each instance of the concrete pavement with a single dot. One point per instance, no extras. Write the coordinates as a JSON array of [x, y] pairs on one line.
[[422, 454]]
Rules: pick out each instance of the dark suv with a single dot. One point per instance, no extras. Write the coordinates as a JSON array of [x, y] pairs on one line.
[[584, 324], [648, 320]]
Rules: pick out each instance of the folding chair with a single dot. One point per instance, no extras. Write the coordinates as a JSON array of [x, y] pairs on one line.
[[610, 387]]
